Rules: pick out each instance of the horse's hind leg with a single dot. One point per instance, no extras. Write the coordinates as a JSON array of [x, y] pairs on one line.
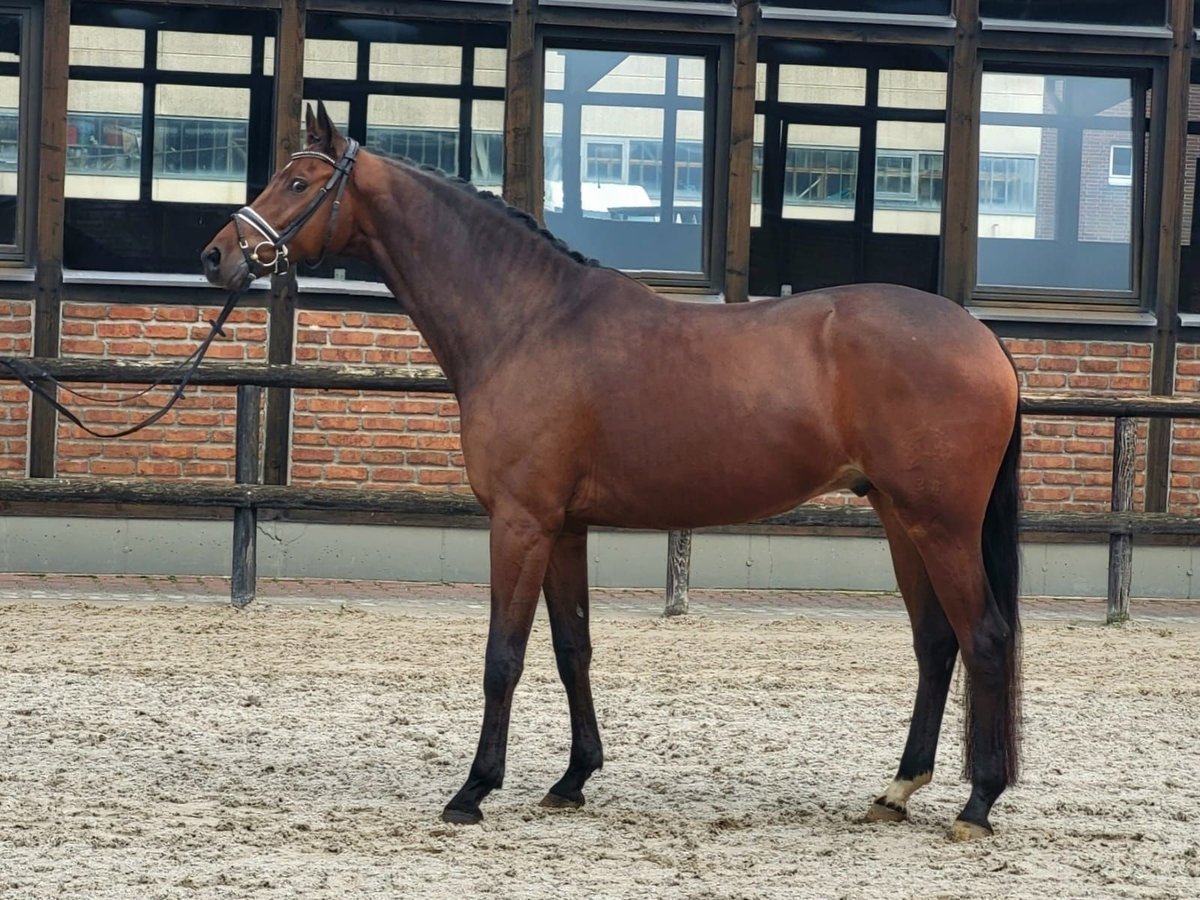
[[936, 648], [566, 592], [520, 550], [988, 645]]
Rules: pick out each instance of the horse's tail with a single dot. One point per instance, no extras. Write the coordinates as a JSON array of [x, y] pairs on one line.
[[1002, 562]]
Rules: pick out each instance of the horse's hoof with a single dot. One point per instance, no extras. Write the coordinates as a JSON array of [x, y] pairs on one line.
[[882, 812], [968, 831], [558, 801], [461, 816]]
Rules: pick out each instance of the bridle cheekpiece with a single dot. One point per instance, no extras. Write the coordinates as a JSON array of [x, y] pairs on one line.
[[278, 240]]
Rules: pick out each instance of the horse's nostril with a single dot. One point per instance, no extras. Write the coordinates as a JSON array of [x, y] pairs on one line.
[[213, 256]]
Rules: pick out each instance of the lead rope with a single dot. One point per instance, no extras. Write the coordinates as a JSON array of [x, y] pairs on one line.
[[34, 377]]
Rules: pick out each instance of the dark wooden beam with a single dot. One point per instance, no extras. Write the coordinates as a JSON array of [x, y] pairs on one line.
[[415, 9], [523, 112], [48, 253], [281, 334], [1166, 257], [332, 378], [856, 33], [960, 195], [741, 153]]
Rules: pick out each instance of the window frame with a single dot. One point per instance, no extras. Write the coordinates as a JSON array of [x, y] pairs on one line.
[[150, 77], [1115, 178], [717, 51], [1146, 74], [20, 253]]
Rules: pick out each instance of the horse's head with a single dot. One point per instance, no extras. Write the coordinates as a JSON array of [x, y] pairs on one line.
[[303, 213]]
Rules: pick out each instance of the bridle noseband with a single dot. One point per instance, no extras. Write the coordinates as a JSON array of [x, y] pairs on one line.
[[278, 240]]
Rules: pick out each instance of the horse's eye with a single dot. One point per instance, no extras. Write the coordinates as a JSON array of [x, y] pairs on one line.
[[299, 185]]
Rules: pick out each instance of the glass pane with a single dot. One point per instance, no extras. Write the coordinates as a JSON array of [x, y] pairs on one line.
[[908, 178], [422, 129], [757, 173], [10, 125], [93, 45], [1094, 12], [268, 55], [626, 182], [631, 74], [416, 63], [491, 67], [487, 144], [330, 59], [760, 81], [822, 84], [691, 78], [200, 136], [186, 51], [1056, 182], [820, 172], [912, 90], [104, 140]]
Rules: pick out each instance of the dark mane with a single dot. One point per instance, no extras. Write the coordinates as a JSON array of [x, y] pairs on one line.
[[496, 202]]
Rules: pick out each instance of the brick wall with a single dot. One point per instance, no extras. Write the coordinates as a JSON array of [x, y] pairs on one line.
[[1067, 462], [1185, 437], [16, 339], [371, 439], [196, 439], [390, 440]]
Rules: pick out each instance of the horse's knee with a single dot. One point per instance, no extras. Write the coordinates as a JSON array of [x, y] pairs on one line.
[[501, 673]]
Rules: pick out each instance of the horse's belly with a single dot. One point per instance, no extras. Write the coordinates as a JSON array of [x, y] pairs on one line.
[[663, 496]]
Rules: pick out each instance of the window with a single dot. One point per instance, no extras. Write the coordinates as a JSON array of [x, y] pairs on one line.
[[1120, 164], [820, 176], [168, 131], [16, 187], [1007, 184], [617, 125], [847, 175], [603, 161], [1056, 186], [428, 92]]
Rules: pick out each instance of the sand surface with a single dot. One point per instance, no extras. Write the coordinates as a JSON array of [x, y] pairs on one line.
[[306, 751]]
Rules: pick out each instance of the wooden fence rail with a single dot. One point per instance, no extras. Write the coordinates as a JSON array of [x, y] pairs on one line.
[[246, 496]]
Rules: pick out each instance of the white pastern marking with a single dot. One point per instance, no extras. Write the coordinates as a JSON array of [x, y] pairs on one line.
[[901, 789]]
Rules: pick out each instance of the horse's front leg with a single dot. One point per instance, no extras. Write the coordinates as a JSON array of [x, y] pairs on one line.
[[520, 550], [566, 591]]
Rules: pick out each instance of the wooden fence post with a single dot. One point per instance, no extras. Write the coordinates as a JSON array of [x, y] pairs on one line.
[[245, 518], [1120, 546], [679, 562]]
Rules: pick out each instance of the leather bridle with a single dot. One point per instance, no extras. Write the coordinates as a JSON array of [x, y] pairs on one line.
[[278, 240]]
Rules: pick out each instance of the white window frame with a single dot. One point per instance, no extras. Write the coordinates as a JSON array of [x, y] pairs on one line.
[[1114, 178]]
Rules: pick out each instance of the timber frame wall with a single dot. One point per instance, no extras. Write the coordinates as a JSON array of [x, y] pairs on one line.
[[47, 313]]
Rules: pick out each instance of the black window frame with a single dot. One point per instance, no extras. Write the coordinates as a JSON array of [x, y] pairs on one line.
[[717, 51], [20, 252], [1146, 74], [365, 30], [158, 221]]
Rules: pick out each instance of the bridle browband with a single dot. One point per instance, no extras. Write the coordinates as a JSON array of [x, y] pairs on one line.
[[41, 382], [278, 240]]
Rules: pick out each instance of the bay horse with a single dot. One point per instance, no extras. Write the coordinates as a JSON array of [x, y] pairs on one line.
[[587, 399]]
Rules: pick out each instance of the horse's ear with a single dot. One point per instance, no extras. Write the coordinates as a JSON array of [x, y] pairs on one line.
[[310, 126], [332, 143]]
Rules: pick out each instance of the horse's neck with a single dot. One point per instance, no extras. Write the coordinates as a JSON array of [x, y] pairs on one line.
[[474, 282]]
